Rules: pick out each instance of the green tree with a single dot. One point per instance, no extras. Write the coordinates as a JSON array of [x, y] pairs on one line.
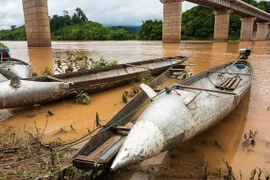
[[234, 27], [79, 16], [198, 23], [151, 30]]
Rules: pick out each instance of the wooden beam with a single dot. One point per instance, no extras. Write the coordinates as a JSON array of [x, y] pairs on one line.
[[244, 74], [204, 89], [122, 128]]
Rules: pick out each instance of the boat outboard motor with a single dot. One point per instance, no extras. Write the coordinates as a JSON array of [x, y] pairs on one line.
[[244, 53]]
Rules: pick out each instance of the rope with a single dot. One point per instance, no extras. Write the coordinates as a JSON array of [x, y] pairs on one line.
[[82, 139]]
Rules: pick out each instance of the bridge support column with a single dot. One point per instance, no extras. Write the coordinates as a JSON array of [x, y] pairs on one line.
[[247, 29], [37, 23], [262, 31], [172, 16], [221, 29]]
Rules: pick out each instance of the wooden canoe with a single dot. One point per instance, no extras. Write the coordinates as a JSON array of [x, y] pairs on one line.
[[186, 110], [99, 152], [45, 89]]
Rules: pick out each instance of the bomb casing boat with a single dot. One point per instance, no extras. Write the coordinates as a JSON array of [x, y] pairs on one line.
[[186, 109]]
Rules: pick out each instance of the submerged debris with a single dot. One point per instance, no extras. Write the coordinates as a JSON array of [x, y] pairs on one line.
[[249, 139], [258, 172], [229, 173]]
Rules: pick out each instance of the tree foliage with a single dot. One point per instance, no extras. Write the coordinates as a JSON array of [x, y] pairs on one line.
[[13, 34], [151, 30], [77, 27], [198, 23], [263, 5]]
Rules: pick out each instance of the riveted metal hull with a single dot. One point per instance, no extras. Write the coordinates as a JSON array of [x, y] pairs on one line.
[[46, 89], [11, 66], [193, 106], [99, 152]]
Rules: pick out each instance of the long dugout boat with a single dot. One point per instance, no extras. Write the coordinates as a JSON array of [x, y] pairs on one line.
[[45, 89], [187, 109]]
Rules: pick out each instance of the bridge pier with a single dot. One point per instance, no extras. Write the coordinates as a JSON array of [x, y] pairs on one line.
[[172, 17], [221, 29], [262, 31], [247, 29], [37, 23]]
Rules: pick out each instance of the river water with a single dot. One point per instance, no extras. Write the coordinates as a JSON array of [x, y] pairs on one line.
[[224, 141]]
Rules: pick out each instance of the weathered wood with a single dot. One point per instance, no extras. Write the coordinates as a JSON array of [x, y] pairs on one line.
[[122, 128], [204, 89], [235, 83], [223, 85], [226, 85], [95, 155], [220, 84]]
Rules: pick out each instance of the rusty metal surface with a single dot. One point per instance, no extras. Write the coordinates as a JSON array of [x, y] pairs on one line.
[[180, 115]]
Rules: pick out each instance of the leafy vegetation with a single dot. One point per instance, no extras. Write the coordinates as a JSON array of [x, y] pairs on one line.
[[77, 61], [101, 63], [186, 74], [13, 34], [145, 77], [46, 71], [198, 23], [151, 30], [2, 45], [82, 98]]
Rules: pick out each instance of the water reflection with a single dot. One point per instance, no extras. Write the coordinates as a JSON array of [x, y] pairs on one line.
[[171, 49], [40, 58]]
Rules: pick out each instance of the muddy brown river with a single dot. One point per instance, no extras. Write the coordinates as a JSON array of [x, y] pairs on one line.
[[223, 142]]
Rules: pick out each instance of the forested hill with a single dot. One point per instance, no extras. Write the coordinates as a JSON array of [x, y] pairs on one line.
[[197, 23], [75, 27]]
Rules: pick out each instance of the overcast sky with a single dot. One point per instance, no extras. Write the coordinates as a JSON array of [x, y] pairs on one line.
[[106, 12]]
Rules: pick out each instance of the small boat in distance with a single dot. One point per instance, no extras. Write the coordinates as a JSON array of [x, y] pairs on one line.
[[46, 89], [13, 67], [187, 109]]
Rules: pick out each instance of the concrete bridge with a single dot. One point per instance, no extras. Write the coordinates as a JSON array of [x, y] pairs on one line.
[[172, 10], [38, 27]]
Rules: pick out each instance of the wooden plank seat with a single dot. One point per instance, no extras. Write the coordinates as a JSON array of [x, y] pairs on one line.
[[229, 83], [103, 153]]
